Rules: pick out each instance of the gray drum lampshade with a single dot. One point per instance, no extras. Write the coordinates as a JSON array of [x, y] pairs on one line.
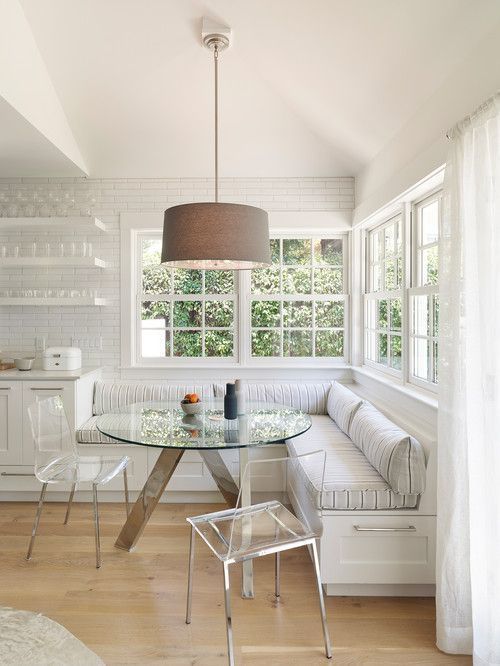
[[216, 236]]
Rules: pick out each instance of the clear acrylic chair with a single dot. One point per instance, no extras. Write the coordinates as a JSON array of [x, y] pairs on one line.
[[57, 461], [261, 526]]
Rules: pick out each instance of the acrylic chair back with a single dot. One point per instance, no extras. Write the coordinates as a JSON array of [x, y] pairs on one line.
[[275, 504], [54, 444]]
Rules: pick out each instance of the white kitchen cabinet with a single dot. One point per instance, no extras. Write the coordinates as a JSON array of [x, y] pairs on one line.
[[19, 390], [11, 431]]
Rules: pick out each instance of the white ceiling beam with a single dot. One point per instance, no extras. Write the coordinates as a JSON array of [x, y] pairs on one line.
[[25, 83]]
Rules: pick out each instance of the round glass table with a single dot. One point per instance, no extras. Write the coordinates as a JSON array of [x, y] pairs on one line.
[[163, 425]]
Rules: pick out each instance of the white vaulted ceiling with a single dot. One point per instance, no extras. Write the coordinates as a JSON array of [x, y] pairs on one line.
[[309, 87]]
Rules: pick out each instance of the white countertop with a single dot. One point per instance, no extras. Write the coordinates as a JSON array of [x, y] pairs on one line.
[[47, 375]]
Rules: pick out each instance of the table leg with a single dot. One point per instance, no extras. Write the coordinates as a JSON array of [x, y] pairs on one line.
[[246, 500], [221, 475], [148, 499]]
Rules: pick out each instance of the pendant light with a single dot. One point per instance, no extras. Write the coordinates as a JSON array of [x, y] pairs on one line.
[[216, 235]]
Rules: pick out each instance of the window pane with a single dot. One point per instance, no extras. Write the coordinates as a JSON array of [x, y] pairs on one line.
[[156, 280], [371, 313], [297, 343], [155, 314], [328, 251], [274, 244], [420, 358], [435, 360], [430, 223], [376, 246], [266, 313], [328, 281], [155, 343], [296, 251], [187, 314], [219, 313], [383, 316], [399, 236], [187, 343], [266, 343], [389, 238], [396, 352], [329, 314], [390, 274], [376, 278], [371, 346], [266, 281], [382, 348], [297, 314], [329, 343], [219, 343], [187, 281], [436, 315], [395, 323], [430, 265], [151, 252], [296, 281], [420, 315], [219, 282]]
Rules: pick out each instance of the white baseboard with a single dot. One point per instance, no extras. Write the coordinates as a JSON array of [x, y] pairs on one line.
[[360, 590], [171, 497]]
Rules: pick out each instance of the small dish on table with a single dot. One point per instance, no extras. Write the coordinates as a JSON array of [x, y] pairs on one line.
[[191, 404]]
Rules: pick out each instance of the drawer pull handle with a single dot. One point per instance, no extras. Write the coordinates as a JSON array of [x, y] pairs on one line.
[[17, 474], [410, 528], [47, 388], [4, 388]]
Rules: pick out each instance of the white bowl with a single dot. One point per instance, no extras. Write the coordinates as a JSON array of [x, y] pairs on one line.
[[24, 363], [191, 408]]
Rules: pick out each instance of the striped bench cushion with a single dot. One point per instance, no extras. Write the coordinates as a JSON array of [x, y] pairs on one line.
[[398, 457], [310, 397], [342, 405], [88, 434], [113, 395], [350, 481]]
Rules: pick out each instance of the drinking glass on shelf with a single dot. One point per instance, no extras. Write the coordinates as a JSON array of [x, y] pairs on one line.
[[61, 250], [15, 251], [4, 251]]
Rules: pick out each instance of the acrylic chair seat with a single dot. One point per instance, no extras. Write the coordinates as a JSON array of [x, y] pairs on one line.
[[255, 529], [250, 530], [57, 461], [81, 469]]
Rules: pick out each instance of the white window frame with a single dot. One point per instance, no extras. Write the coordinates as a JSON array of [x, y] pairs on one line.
[[133, 225], [408, 211], [246, 298]]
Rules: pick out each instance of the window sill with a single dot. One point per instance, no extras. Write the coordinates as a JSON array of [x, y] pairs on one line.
[[421, 395]]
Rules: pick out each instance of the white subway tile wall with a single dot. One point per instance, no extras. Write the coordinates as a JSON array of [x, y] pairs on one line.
[[106, 199]]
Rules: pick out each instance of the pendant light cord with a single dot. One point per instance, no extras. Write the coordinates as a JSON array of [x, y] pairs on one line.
[[216, 68]]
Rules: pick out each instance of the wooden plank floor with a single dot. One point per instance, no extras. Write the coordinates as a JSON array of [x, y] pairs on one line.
[[131, 611]]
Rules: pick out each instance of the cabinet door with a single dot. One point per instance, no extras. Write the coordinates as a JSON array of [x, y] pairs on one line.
[[36, 391], [11, 432]]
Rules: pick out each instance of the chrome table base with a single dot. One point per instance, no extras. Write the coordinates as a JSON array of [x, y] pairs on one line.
[[156, 483]]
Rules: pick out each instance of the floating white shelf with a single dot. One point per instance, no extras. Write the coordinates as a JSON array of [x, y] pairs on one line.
[[15, 300], [82, 262], [81, 223]]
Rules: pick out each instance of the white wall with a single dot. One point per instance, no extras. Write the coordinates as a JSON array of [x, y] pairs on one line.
[[108, 198], [420, 146]]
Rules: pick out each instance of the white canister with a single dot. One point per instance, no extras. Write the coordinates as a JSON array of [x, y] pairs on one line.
[[241, 396], [62, 358]]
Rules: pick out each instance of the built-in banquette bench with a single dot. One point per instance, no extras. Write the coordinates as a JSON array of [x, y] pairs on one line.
[[377, 497]]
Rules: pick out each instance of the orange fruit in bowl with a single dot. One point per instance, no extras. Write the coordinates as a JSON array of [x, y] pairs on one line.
[[187, 396], [193, 397]]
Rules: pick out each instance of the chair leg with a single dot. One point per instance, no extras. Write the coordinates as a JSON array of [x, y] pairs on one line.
[[229, 627], [125, 487], [96, 525], [37, 520], [190, 576], [277, 565], [70, 503], [326, 635]]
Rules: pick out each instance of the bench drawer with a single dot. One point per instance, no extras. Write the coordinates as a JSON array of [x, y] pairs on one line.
[[373, 549]]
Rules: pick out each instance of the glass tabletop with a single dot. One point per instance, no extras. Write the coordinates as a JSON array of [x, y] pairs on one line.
[[164, 425]]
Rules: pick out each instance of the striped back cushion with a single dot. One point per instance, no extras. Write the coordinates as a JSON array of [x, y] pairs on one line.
[[342, 405], [397, 456], [113, 395], [308, 397]]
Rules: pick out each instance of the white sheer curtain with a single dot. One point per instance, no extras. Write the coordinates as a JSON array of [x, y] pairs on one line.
[[468, 576]]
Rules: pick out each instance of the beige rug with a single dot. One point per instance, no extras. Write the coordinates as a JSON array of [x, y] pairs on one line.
[[28, 639]]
